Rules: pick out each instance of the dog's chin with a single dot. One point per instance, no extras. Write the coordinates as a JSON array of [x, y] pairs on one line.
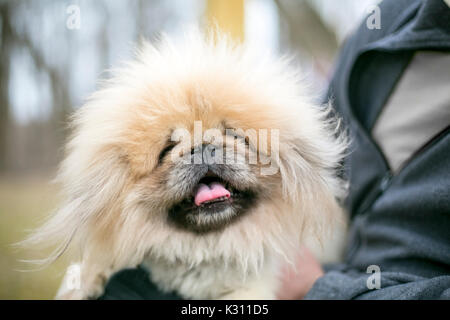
[[213, 215]]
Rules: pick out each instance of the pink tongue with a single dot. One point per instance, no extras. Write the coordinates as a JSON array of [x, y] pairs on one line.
[[207, 193]]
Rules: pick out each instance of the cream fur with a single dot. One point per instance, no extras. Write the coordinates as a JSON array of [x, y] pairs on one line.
[[111, 213]]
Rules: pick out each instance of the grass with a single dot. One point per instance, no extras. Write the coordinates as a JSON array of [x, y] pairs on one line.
[[24, 203]]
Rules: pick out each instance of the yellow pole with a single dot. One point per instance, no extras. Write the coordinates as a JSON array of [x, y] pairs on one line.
[[228, 15]]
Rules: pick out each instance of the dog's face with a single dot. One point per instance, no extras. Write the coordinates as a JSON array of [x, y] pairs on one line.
[[214, 159], [204, 187], [199, 147]]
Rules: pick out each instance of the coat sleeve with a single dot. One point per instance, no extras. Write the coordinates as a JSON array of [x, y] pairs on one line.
[[353, 285]]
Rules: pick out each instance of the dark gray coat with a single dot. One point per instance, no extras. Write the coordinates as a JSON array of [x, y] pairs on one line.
[[400, 222]]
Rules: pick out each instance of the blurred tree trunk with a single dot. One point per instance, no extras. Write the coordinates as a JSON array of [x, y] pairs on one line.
[[5, 49], [34, 135]]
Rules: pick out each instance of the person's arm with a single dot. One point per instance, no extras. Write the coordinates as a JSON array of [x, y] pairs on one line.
[[345, 285], [311, 283]]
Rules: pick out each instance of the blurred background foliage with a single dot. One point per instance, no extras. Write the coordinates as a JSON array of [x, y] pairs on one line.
[[49, 64]]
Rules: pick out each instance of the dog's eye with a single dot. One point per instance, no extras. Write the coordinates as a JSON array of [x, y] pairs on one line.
[[247, 140], [165, 151], [234, 133]]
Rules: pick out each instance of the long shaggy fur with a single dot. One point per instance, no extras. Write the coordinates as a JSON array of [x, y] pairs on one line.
[[111, 208]]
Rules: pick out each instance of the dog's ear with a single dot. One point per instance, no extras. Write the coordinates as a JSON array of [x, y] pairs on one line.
[[92, 183], [313, 154], [309, 166]]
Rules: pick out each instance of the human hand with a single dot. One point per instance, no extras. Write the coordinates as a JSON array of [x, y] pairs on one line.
[[297, 280]]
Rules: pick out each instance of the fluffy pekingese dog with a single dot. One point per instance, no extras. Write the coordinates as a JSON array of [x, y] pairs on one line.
[[203, 161]]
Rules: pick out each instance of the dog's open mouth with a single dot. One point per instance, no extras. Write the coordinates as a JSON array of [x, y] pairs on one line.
[[211, 190], [213, 204]]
